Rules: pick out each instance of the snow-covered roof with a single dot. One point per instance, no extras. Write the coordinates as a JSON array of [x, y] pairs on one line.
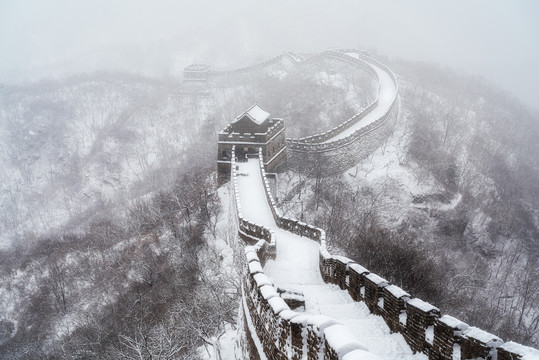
[[197, 67], [256, 114]]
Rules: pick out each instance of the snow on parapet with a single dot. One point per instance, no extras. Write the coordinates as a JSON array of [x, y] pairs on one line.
[[261, 280], [277, 304], [268, 291], [376, 279], [251, 256], [255, 267], [397, 291], [527, 353], [423, 305], [288, 314], [359, 269], [341, 340], [343, 259], [482, 336], [320, 322], [453, 323], [360, 355]]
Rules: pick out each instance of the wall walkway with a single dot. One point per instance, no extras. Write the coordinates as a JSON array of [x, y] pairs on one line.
[[341, 310]]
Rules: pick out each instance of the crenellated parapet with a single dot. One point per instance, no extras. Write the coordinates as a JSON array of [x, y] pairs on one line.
[[422, 325], [282, 333], [272, 327]]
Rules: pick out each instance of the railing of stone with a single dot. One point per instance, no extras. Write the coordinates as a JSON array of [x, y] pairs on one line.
[[275, 127], [313, 143], [289, 224], [249, 231], [318, 138], [422, 325], [281, 332], [247, 69]]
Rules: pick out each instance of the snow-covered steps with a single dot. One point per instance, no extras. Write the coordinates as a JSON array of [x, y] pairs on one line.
[[296, 268]]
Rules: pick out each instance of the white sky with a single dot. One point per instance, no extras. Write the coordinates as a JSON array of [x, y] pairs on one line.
[[496, 39]]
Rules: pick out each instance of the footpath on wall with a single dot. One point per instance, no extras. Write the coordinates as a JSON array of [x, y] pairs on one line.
[[296, 268]]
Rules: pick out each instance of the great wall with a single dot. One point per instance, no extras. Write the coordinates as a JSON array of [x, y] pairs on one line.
[[286, 260]]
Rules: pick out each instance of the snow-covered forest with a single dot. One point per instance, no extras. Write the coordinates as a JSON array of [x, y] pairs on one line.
[[115, 235], [117, 241]]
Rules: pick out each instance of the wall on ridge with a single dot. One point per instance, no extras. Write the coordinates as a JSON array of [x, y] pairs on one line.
[[270, 326], [339, 155], [344, 154], [422, 325], [281, 333]]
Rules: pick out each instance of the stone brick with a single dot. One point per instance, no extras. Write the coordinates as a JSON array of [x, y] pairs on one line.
[[374, 294], [419, 316], [447, 333], [356, 281], [394, 306], [477, 343], [513, 351]]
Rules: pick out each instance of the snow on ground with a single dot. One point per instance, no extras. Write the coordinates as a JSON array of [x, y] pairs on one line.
[[386, 94], [296, 268]]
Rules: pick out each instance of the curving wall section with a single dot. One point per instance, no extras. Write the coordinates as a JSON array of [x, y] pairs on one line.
[[343, 151], [273, 330], [291, 334], [276, 332], [338, 153]]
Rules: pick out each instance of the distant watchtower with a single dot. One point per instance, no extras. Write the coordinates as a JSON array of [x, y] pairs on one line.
[[196, 73], [251, 130]]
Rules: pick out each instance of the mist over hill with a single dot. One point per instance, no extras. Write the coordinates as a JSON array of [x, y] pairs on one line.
[[109, 192]]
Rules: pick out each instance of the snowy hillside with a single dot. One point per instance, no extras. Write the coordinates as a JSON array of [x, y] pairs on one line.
[[451, 196], [108, 192]]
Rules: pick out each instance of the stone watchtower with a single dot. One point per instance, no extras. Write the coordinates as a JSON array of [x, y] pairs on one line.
[[196, 73], [251, 130]]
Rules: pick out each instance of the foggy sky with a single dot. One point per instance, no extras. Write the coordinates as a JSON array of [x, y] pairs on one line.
[[495, 39]]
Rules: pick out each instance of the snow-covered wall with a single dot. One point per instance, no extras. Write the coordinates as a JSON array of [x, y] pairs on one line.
[[273, 330], [421, 324], [338, 149], [285, 334]]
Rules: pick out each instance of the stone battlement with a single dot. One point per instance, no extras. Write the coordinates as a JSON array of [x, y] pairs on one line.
[[422, 324]]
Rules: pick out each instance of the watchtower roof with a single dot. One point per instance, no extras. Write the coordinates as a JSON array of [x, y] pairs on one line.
[[197, 67], [256, 114]]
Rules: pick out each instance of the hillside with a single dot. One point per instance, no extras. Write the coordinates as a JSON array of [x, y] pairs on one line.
[[109, 196], [451, 198], [111, 214]]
